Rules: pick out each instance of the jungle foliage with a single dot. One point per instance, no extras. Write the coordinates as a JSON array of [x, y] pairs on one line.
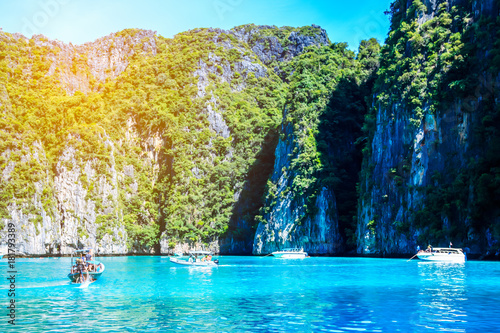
[[433, 62], [150, 131], [325, 108]]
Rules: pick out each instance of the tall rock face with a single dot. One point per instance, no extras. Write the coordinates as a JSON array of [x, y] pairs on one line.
[[274, 47], [62, 183], [318, 133], [287, 222], [140, 144], [430, 173]]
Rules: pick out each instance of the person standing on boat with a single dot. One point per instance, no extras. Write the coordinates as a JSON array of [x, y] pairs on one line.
[[451, 244], [418, 248], [88, 256], [80, 267]]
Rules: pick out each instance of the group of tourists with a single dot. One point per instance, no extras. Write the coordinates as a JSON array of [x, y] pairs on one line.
[[194, 258], [207, 258], [84, 266], [429, 249]]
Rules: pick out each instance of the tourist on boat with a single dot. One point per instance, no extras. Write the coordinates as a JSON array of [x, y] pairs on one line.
[[418, 248], [88, 256], [429, 248], [209, 257], [82, 269]]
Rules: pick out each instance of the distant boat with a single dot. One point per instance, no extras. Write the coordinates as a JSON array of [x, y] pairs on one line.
[[444, 254], [92, 271], [290, 253], [196, 258]]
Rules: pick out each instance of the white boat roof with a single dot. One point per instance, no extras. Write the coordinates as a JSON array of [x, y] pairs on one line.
[[291, 249], [82, 250], [446, 249], [200, 252]]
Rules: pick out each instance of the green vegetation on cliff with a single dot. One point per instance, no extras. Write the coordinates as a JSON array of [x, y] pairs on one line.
[[141, 140], [163, 141], [439, 72], [325, 108]]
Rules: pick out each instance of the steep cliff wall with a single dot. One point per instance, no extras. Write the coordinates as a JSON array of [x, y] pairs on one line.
[[432, 137], [287, 222], [139, 144], [62, 185], [317, 144], [274, 47]]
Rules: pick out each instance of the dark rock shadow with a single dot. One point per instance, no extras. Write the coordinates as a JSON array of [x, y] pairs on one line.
[[340, 145], [241, 230]]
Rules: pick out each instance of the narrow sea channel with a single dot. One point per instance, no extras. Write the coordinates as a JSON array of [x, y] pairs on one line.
[[257, 294]]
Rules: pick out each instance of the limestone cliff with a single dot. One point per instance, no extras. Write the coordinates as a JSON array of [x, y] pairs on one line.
[[316, 154], [272, 46], [139, 144], [71, 199], [430, 128], [284, 224]]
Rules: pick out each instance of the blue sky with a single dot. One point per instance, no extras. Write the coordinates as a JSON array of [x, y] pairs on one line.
[[80, 21]]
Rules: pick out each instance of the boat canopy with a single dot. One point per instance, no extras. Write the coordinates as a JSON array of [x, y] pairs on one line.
[[200, 252], [294, 249], [446, 250], [82, 251]]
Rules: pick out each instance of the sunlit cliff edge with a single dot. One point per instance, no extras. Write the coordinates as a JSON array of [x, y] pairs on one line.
[[256, 138]]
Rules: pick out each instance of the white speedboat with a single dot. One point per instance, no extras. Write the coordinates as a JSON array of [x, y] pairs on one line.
[[290, 253], [444, 254], [196, 258]]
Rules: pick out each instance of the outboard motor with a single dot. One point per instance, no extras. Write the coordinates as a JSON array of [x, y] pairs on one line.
[[216, 261]]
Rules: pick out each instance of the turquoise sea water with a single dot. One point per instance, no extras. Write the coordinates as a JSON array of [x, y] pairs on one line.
[[257, 294]]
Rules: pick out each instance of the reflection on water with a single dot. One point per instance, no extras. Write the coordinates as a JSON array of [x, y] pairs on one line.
[[442, 300], [150, 294]]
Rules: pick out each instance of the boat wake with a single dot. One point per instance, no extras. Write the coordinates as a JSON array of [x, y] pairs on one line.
[[84, 285]]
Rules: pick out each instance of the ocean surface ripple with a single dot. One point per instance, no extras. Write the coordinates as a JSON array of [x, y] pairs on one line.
[[257, 294]]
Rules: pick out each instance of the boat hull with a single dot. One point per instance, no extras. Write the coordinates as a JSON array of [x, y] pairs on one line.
[[289, 255], [94, 275], [441, 257], [196, 264]]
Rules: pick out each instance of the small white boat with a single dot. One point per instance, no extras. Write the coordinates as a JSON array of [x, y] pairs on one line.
[[442, 254], [290, 253], [196, 258]]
